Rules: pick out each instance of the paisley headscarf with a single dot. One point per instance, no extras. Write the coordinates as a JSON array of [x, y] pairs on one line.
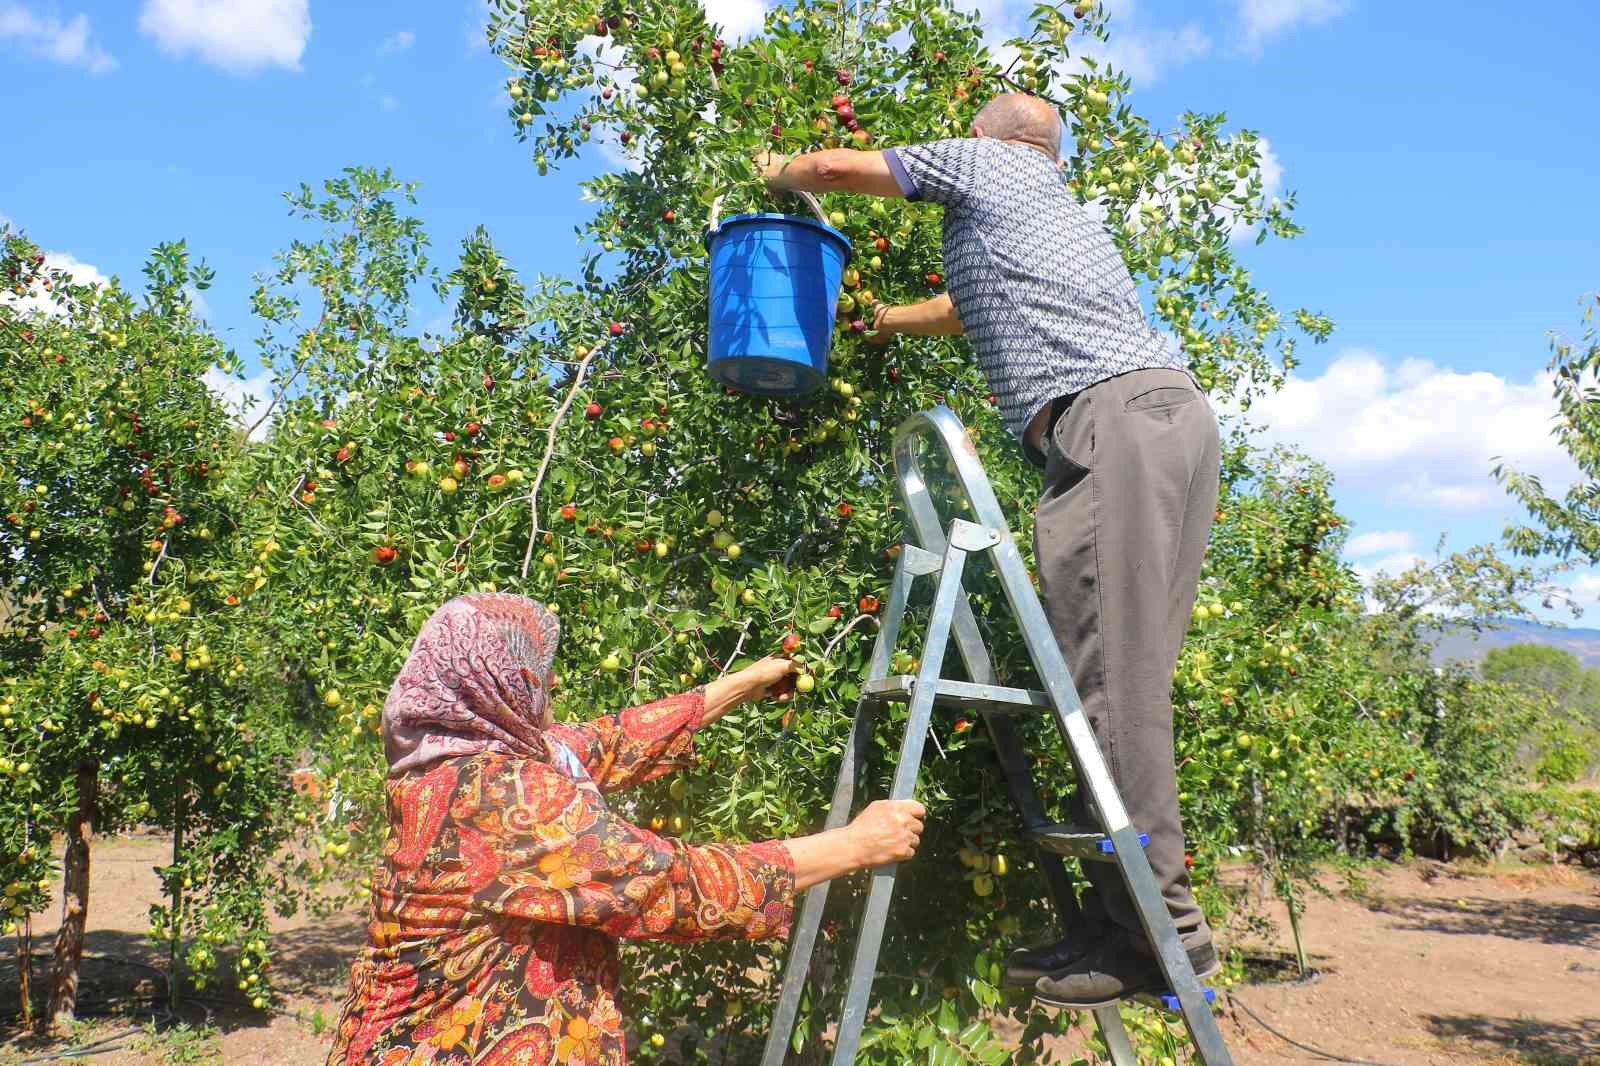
[[475, 681]]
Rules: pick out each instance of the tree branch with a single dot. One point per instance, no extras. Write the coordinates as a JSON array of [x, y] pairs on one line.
[[549, 451], [857, 620]]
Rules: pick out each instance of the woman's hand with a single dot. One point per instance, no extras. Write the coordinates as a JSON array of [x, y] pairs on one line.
[[886, 831], [726, 693]]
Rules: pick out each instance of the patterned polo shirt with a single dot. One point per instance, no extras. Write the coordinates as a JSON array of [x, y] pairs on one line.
[[1044, 297]]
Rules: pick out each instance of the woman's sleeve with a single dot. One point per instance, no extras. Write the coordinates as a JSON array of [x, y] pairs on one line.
[[639, 744], [540, 847]]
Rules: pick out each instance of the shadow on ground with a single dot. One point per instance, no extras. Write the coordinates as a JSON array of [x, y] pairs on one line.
[[1549, 923], [123, 979], [1544, 1042]]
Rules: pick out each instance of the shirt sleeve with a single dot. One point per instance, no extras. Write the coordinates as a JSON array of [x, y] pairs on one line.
[[639, 744], [942, 172], [538, 846]]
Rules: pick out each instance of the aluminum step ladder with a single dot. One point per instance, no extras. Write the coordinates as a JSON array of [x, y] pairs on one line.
[[945, 554]]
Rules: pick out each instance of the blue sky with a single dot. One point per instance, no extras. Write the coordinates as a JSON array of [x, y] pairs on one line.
[[1444, 157]]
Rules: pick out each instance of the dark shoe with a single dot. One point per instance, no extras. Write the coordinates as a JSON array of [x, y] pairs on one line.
[[1025, 966], [1116, 970]]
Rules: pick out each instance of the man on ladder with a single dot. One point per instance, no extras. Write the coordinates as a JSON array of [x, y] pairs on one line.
[[1129, 448]]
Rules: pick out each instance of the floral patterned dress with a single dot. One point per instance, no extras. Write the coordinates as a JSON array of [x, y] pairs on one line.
[[505, 884]]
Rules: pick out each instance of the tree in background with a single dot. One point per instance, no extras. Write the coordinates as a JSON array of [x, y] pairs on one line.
[[1568, 527], [130, 694], [1567, 743]]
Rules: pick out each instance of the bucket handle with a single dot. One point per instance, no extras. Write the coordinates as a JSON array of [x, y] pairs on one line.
[[811, 201]]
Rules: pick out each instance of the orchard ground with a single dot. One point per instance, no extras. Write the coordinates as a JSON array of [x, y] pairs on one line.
[[1418, 963]]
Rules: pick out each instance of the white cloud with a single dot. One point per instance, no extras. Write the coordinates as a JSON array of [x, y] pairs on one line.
[[1144, 54], [64, 42], [240, 36], [398, 41], [738, 18], [1262, 20], [369, 88], [198, 302], [1389, 566], [629, 156], [1586, 586], [246, 397], [1379, 541], [40, 302], [1418, 434]]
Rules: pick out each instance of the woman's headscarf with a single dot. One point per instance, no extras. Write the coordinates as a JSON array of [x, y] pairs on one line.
[[474, 682]]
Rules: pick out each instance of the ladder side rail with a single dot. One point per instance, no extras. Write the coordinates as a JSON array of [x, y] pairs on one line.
[[925, 523], [1094, 775], [1115, 1034], [804, 940], [881, 889]]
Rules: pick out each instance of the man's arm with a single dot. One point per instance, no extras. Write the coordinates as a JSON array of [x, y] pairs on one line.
[[830, 170], [930, 318]]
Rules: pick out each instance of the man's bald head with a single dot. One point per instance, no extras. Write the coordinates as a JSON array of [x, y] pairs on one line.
[[1020, 117]]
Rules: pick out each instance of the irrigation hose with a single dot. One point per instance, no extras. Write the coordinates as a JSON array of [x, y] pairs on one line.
[[1235, 1001], [115, 1041]]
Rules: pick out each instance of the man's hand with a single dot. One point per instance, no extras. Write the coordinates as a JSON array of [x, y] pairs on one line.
[[828, 170], [880, 334], [770, 166]]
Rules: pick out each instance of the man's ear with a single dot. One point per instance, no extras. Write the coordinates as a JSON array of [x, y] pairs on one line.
[[977, 130]]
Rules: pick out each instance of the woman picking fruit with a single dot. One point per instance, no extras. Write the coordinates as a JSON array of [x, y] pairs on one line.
[[506, 881]]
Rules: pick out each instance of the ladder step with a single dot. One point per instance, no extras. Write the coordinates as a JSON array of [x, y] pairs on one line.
[[1169, 1002], [1079, 842], [996, 699]]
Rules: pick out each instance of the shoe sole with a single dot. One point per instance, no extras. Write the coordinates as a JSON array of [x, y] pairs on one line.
[[1022, 981], [1210, 971]]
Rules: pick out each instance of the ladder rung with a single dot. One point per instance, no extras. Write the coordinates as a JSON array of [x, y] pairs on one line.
[[994, 698], [1168, 1001], [1080, 843]]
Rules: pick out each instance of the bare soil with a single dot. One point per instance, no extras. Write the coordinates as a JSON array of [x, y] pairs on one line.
[[1425, 963]]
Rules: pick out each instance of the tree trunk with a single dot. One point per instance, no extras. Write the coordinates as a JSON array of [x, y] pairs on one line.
[[180, 822], [75, 899], [25, 971]]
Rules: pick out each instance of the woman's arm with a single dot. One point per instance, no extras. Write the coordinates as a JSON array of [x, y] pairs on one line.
[[886, 831], [573, 862], [646, 742]]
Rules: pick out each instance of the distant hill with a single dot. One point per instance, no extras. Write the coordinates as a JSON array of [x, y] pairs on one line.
[[1583, 643]]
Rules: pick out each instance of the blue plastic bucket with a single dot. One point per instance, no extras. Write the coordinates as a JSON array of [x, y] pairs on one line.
[[774, 285]]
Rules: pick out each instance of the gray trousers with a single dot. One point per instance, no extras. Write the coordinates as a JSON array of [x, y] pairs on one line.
[[1130, 491]]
